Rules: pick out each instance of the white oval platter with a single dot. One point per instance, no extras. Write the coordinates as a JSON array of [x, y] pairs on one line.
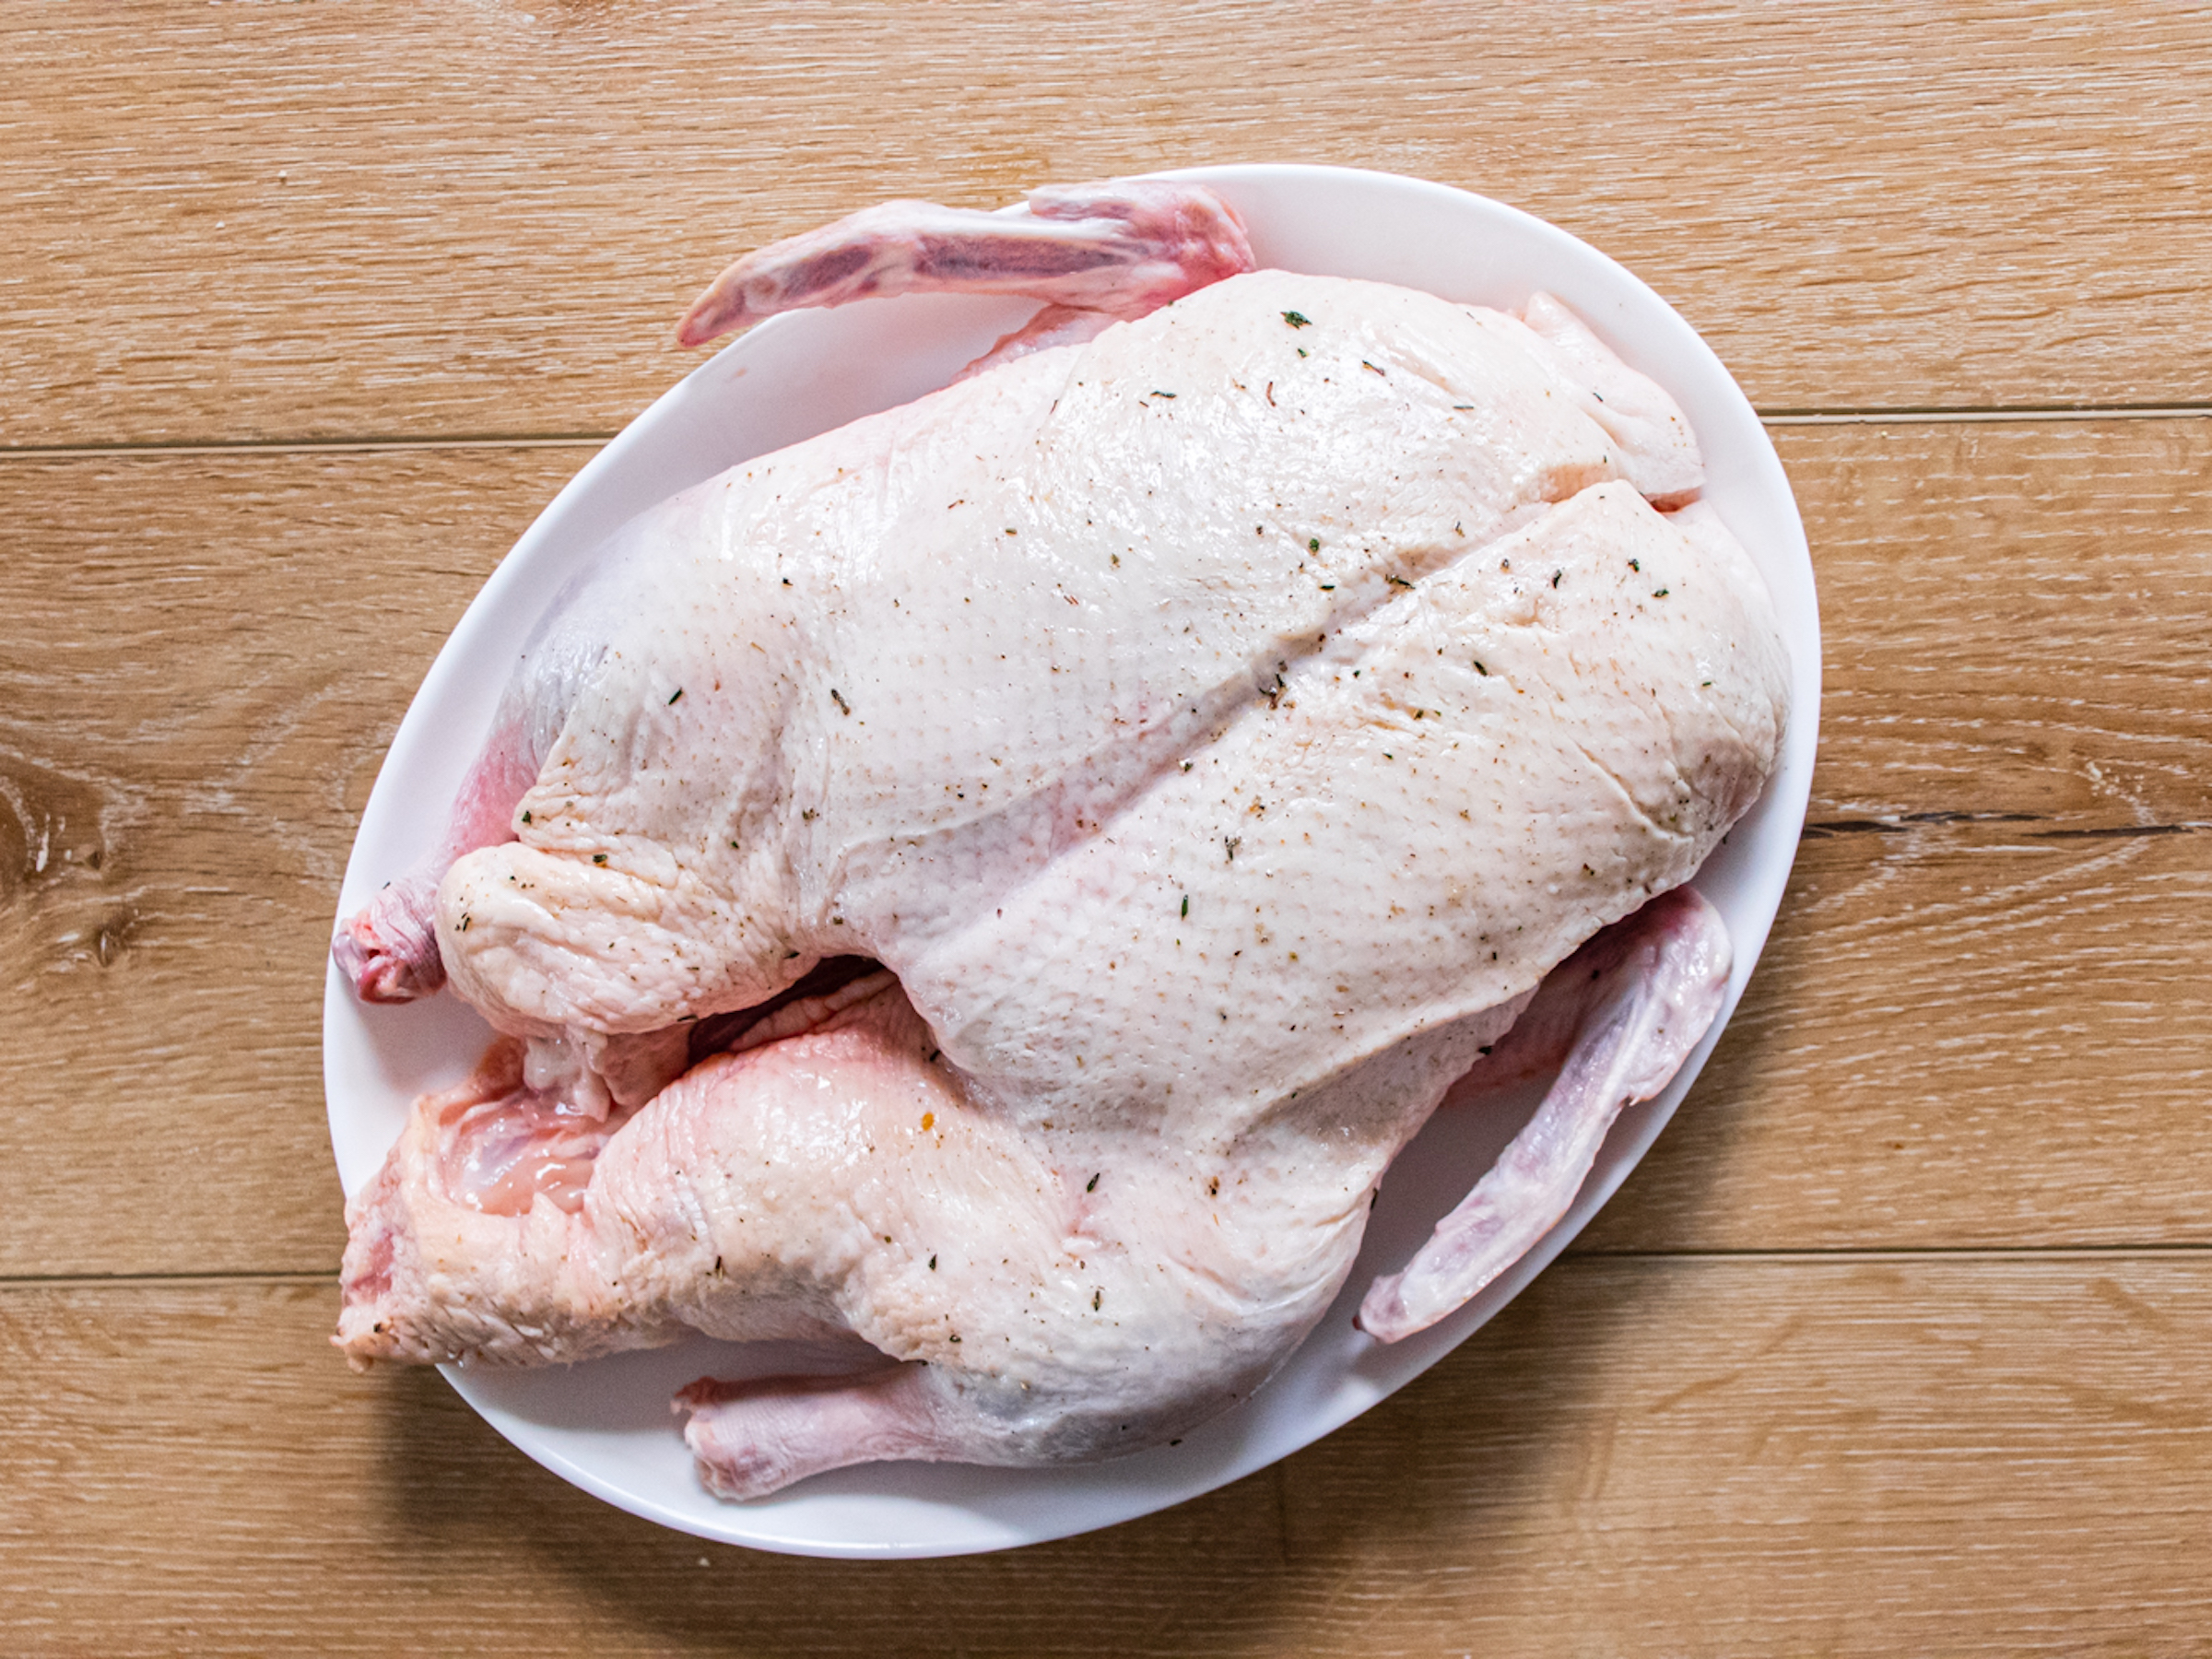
[[606, 1425]]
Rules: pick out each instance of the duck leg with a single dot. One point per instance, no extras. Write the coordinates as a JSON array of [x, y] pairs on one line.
[[756, 1437], [1636, 999]]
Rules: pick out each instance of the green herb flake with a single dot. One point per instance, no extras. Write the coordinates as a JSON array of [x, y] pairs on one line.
[[598, 858], [1312, 544], [1298, 319], [1398, 581], [1658, 593], [525, 817], [1186, 898], [1091, 1186], [679, 691]]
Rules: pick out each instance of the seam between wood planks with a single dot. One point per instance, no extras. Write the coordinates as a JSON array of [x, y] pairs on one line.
[[1937, 417], [217, 1276], [1841, 1255], [1854, 1253], [1905, 823], [1776, 418]]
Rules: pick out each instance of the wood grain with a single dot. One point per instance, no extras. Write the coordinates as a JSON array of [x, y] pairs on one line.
[[2016, 619], [1982, 1016], [209, 656], [233, 221], [1723, 1457], [1959, 1035], [1895, 1345]]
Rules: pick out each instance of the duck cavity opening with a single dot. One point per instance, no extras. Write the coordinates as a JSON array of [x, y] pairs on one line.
[[825, 990]]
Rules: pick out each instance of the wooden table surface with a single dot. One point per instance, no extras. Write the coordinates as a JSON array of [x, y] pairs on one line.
[[1897, 1343]]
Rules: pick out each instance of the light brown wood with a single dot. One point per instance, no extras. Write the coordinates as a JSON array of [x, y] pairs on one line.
[[215, 650], [1962, 1035], [229, 221], [1719, 1457], [2016, 619], [207, 657], [1894, 1344]]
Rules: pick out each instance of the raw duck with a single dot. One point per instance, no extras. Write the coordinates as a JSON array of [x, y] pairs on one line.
[[1005, 877]]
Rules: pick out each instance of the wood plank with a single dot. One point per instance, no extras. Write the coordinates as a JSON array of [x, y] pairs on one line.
[[1962, 1034], [1719, 1456], [2015, 617], [207, 660], [209, 654], [233, 222]]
